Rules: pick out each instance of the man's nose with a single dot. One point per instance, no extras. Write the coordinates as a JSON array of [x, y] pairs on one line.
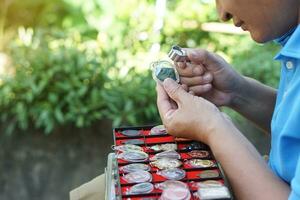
[[223, 14]]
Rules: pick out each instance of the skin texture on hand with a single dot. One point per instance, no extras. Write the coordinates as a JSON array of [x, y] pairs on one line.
[[209, 76], [186, 115]]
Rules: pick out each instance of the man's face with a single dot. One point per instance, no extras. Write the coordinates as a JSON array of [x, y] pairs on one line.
[[264, 19]]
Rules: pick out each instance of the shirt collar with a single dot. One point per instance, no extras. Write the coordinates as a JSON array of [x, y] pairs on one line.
[[283, 39], [291, 44]]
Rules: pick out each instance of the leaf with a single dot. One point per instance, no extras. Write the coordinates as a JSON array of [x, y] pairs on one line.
[[80, 121], [49, 127], [117, 121], [53, 98], [59, 115]]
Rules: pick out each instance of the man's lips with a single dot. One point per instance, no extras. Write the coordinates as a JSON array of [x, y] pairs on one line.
[[244, 27]]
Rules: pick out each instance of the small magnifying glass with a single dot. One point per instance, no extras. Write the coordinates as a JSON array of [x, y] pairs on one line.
[[177, 54]]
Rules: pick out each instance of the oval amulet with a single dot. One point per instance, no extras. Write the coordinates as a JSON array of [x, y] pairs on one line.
[[164, 69]]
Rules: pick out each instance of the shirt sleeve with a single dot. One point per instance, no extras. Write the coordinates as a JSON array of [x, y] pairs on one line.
[[295, 183]]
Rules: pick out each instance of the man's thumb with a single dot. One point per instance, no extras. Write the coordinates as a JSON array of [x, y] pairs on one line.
[[174, 90], [198, 56], [202, 56]]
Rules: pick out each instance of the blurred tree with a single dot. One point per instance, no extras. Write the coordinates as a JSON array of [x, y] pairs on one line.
[[77, 62]]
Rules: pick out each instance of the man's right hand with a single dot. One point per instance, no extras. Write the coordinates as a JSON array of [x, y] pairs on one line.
[[210, 76]]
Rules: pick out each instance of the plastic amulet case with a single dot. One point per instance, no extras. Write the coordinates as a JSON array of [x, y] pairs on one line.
[[166, 154], [127, 147], [172, 174], [164, 69], [208, 190], [174, 190], [158, 130], [166, 163], [133, 156], [138, 177], [131, 133], [141, 188], [134, 167], [164, 147]]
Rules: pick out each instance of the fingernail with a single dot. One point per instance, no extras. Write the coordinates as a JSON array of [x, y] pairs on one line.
[[180, 65], [197, 71], [168, 81], [207, 77], [192, 53], [207, 87], [185, 87], [191, 92]]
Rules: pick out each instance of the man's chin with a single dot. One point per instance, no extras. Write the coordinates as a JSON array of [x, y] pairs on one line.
[[260, 38]]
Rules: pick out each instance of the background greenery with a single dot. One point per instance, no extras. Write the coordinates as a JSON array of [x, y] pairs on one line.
[[78, 62]]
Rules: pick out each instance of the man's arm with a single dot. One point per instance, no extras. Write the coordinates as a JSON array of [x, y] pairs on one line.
[[256, 102], [249, 175], [196, 118], [295, 183]]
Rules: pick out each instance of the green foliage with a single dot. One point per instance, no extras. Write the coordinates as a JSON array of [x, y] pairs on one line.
[[61, 80], [83, 61], [132, 99], [38, 13], [55, 82]]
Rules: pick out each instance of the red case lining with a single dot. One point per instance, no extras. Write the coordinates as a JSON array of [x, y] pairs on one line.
[[191, 172]]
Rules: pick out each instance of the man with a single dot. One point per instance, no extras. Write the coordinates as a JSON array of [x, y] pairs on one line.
[[211, 82]]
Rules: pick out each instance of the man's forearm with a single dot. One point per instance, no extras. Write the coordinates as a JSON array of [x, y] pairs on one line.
[[247, 172], [256, 102]]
